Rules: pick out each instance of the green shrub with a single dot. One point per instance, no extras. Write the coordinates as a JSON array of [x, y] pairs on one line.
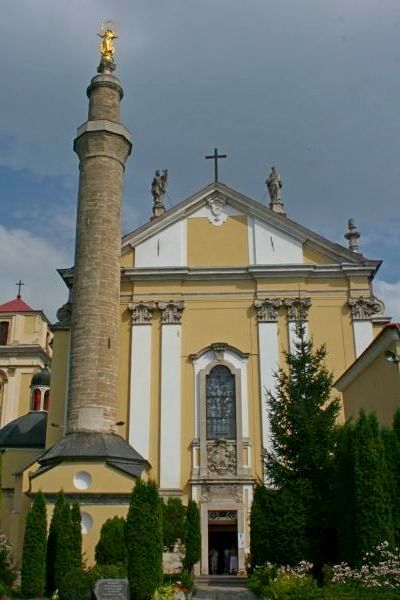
[[111, 547], [33, 573], [52, 543], [192, 536], [173, 521], [76, 536], [274, 583], [108, 572], [345, 592], [185, 579], [7, 572], [65, 557], [76, 584], [144, 540], [3, 590]]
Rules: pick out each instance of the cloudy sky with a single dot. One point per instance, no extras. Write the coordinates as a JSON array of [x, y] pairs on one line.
[[308, 85]]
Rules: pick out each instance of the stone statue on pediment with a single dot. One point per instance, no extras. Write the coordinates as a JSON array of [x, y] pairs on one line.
[[158, 189]]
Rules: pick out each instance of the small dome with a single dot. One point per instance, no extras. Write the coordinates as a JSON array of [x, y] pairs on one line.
[[41, 378]]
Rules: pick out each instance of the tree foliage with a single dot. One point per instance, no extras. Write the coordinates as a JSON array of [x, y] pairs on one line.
[[33, 573], [111, 547], [173, 521], [144, 540], [192, 536], [303, 434], [76, 535], [52, 543]]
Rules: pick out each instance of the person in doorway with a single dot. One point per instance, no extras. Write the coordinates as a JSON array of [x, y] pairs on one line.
[[214, 561], [226, 560], [233, 562]]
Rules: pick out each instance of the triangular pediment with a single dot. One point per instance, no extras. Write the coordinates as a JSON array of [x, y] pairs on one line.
[[275, 227]]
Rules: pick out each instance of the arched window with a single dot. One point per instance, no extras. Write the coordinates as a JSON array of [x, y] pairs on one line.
[[36, 399], [4, 325], [46, 400], [221, 403]]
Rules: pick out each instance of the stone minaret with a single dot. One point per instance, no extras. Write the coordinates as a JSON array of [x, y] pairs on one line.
[[103, 146]]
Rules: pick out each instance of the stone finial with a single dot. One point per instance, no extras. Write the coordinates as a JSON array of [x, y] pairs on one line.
[[158, 188], [362, 309], [171, 312], [267, 310], [274, 185], [352, 235], [298, 308], [141, 312]]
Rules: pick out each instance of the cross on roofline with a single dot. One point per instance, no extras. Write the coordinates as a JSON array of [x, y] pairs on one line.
[[19, 285], [215, 158]]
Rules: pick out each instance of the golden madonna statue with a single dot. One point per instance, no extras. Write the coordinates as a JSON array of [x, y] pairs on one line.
[[108, 35]]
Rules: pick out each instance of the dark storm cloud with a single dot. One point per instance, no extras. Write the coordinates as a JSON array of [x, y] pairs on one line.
[[311, 86]]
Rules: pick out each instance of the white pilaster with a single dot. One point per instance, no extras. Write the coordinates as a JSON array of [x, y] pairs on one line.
[[140, 386], [362, 310], [170, 429], [268, 351], [363, 335]]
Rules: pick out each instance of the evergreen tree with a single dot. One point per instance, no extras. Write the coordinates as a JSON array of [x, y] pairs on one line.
[[278, 525], [345, 504], [76, 535], [33, 573], [374, 522], [111, 548], [192, 536], [144, 540], [64, 547], [173, 521], [52, 543], [303, 432]]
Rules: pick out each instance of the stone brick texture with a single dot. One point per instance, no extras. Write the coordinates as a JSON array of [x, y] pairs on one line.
[[94, 359]]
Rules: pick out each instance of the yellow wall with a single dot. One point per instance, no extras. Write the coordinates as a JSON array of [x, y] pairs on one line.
[[209, 245], [58, 387], [30, 324], [376, 389]]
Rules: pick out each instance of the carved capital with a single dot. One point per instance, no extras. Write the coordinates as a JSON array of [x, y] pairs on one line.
[[221, 457], [171, 312], [362, 309], [141, 312], [298, 308], [267, 310]]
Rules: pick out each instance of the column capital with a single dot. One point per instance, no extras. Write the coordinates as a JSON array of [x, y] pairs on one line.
[[362, 309], [267, 310], [171, 312], [141, 312], [297, 308]]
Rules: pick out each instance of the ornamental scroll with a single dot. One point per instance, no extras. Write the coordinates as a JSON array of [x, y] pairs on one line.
[[221, 457]]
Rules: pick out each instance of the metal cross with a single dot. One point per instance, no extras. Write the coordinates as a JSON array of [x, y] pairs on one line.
[[19, 284], [216, 157]]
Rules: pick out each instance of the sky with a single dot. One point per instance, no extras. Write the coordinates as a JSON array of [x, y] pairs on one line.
[[310, 86]]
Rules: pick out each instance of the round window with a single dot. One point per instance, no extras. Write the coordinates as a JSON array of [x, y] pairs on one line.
[[86, 523], [82, 480]]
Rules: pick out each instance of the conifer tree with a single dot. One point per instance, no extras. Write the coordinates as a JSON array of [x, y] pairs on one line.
[[259, 541], [64, 546], [33, 573], [76, 535], [303, 429], [192, 536], [52, 543], [173, 521], [374, 521], [111, 547], [144, 540], [345, 504]]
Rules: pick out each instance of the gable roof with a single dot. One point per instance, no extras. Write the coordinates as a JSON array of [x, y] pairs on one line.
[[16, 305], [253, 208]]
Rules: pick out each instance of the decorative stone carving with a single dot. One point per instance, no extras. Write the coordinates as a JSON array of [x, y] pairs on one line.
[[267, 310], [298, 308], [219, 349], [171, 312], [221, 457], [362, 309], [274, 185], [217, 216], [352, 236], [158, 189], [141, 312]]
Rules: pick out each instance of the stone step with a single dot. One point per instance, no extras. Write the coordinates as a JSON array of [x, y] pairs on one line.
[[222, 593], [221, 580]]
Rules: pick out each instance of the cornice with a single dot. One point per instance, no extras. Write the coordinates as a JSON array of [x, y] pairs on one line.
[[25, 350]]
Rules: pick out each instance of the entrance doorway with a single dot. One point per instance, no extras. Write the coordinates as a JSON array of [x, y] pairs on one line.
[[222, 543]]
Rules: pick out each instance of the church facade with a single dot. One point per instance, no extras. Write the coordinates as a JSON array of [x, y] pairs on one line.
[[163, 355]]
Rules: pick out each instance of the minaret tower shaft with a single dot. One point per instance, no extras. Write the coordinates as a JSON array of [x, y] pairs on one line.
[[103, 146]]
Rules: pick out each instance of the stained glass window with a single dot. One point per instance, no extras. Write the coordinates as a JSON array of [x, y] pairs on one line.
[[221, 404]]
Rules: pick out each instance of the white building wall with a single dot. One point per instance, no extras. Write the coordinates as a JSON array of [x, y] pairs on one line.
[[269, 362], [363, 335], [269, 246], [168, 248], [140, 389]]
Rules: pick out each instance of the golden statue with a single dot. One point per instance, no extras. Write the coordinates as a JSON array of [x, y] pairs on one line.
[[108, 35]]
